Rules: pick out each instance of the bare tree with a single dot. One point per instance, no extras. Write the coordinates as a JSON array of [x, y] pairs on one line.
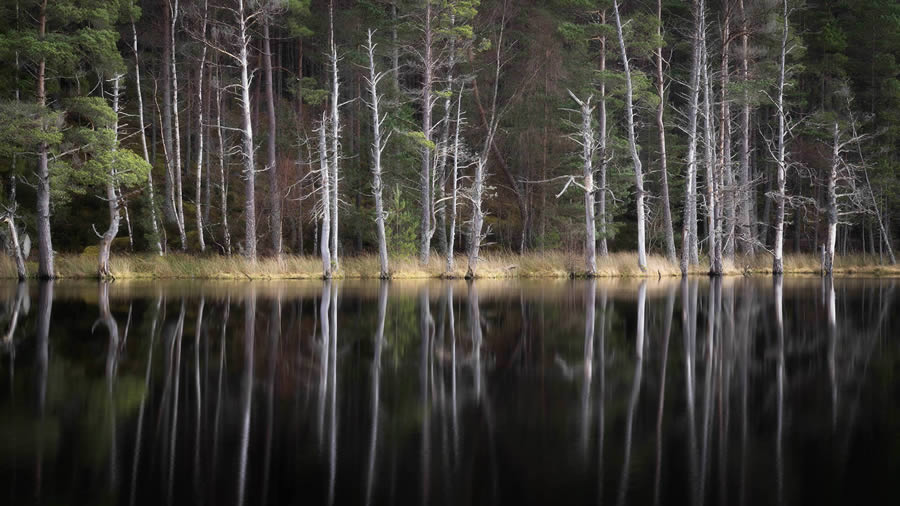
[[176, 149], [335, 136], [223, 181], [272, 8], [780, 155], [661, 127], [200, 130], [690, 194], [112, 196], [586, 139], [143, 129], [377, 147], [712, 182], [325, 198], [45, 242], [426, 230], [632, 140], [746, 193], [601, 148], [454, 178]]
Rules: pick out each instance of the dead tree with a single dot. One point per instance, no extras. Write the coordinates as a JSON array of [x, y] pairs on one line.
[[690, 194], [378, 145]]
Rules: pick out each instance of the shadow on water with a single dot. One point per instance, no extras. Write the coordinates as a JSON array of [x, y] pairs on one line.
[[694, 391]]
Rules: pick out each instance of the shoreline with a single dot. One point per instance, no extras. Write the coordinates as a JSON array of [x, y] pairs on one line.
[[550, 265]]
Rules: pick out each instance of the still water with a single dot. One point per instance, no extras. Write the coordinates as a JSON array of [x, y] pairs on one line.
[[739, 391]]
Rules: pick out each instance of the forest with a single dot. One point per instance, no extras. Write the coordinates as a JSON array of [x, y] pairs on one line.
[[701, 133]]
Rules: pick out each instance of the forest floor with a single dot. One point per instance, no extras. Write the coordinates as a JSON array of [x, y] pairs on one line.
[[492, 265]]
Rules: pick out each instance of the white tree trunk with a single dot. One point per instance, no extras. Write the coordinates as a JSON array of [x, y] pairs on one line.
[[274, 183], [661, 127], [746, 193], [223, 182], [454, 178], [781, 167], [712, 196], [200, 130], [377, 147], [632, 141], [335, 140], [247, 133], [690, 193], [179, 200], [832, 210], [112, 197], [587, 142], [425, 179], [137, 84], [325, 190]]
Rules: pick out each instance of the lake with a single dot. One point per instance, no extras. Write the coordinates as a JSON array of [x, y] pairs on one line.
[[730, 392]]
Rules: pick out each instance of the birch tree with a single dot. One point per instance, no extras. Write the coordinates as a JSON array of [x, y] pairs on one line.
[[586, 139], [780, 195], [176, 149], [690, 195], [200, 130], [143, 131], [377, 147], [632, 141], [661, 127], [454, 182]]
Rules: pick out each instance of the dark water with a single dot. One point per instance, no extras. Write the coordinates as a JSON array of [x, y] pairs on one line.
[[743, 391]]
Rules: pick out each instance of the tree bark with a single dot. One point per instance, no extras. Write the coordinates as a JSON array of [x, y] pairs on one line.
[[179, 194], [661, 127], [223, 182], [45, 242], [778, 256], [690, 197], [274, 183], [377, 147], [832, 210], [636, 159], [200, 132], [746, 233], [325, 189], [587, 155], [152, 197], [603, 248], [712, 181], [112, 197], [247, 133], [454, 175], [425, 183], [335, 140]]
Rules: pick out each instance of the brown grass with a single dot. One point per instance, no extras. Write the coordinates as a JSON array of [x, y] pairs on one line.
[[492, 266]]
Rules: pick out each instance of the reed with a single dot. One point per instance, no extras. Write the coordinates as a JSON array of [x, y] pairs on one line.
[[555, 264]]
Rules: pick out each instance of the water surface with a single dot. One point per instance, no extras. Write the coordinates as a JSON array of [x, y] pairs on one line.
[[739, 391]]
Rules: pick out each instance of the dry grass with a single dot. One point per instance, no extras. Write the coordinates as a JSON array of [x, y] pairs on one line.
[[491, 266]]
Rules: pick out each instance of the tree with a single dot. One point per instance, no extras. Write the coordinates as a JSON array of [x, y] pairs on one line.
[[378, 145], [690, 195], [585, 138], [632, 140], [780, 195], [661, 126]]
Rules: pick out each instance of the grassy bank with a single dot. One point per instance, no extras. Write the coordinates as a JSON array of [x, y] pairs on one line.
[[494, 266]]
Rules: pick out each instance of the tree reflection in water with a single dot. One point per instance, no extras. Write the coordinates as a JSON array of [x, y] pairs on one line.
[[450, 392]]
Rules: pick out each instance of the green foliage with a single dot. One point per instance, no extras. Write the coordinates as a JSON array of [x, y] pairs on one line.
[[400, 224]]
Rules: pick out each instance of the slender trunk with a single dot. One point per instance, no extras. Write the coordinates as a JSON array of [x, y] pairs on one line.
[[21, 272], [828, 265], [166, 77], [325, 236], [335, 140], [247, 132], [587, 155], [632, 140], [726, 177], [778, 260], [745, 208], [179, 200], [200, 131], [223, 183], [661, 127], [137, 85], [274, 184], [377, 147], [604, 249], [454, 177], [442, 146], [688, 230], [712, 194], [112, 197], [45, 243], [425, 183]]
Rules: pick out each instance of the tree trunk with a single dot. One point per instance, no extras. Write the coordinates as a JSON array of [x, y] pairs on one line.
[[451, 237], [687, 231], [166, 78], [828, 264], [112, 197], [137, 85], [377, 147], [604, 249], [661, 127], [726, 175], [712, 194], [638, 175], [324, 174], [45, 243], [335, 140], [425, 183], [200, 132], [746, 233], [778, 260], [179, 194], [274, 184], [442, 146], [587, 142], [223, 182], [247, 133], [21, 272]]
